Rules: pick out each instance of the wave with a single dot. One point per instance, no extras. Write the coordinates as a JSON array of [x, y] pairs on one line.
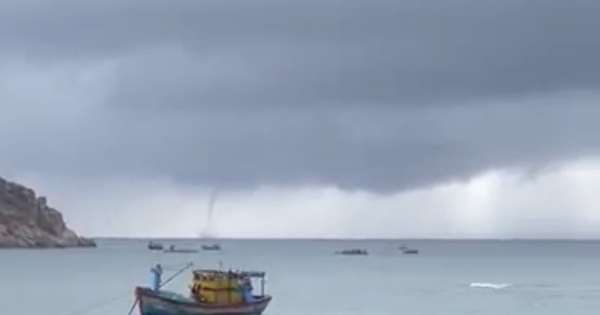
[[488, 285]]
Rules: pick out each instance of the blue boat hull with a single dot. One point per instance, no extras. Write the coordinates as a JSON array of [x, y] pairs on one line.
[[169, 303]]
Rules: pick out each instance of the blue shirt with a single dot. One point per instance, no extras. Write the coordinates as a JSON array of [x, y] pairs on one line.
[[156, 277]]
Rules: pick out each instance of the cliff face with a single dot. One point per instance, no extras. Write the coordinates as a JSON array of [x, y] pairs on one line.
[[27, 221]]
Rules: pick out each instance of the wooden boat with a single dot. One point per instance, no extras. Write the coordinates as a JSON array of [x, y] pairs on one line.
[[353, 252], [172, 249], [212, 247], [155, 246], [408, 251], [213, 292]]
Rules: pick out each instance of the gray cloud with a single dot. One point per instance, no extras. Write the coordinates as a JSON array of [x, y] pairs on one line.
[[372, 94]]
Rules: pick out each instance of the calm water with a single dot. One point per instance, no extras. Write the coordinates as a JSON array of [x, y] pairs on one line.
[[305, 278]]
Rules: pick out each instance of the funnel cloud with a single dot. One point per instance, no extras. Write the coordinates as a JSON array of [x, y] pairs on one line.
[[212, 201], [350, 118]]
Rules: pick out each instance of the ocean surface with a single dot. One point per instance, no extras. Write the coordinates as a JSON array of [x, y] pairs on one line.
[[306, 278]]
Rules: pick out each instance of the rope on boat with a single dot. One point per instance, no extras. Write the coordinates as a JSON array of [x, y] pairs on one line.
[[100, 305], [132, 308], [125, 294], [189, 265]]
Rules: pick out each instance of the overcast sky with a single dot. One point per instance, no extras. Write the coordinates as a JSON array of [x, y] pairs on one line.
[[315, 118]]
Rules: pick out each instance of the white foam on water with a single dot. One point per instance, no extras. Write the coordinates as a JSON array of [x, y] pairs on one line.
[[488, 285]]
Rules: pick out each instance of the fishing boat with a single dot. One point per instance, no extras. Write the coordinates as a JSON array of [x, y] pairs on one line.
[[408, 251], [172, 249], [353, 252], [212, 292], [155, 246], [211, 247]]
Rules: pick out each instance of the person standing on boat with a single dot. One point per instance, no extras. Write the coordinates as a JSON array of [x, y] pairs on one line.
[[247, 289], [156, 276]]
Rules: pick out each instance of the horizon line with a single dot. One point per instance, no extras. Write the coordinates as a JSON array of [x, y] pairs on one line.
[[347, 239]]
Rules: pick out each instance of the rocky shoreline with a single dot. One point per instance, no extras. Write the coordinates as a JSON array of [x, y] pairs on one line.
[[26, 221]]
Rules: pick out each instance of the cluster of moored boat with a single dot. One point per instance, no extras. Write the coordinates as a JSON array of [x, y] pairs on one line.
[[216, 247], [363, 252], [174, 249], [212, 291]]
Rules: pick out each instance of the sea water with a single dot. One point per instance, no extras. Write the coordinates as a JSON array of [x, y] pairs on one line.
[[306, 277]]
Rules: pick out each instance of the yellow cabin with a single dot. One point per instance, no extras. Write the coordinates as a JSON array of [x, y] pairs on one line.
[[220, 287]]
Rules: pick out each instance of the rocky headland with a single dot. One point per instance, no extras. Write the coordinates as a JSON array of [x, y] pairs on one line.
[[26, 221]]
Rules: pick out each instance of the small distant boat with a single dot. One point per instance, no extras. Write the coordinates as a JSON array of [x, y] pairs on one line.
[[408, 251], [172, 249], [212, 247], [353, 252], [155, 246], [213, 292]]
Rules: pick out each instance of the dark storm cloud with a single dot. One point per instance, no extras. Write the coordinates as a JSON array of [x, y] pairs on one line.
[[281, 52], [248, 92]]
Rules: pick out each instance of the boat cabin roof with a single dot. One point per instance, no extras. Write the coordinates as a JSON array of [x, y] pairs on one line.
[[228, 273]]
